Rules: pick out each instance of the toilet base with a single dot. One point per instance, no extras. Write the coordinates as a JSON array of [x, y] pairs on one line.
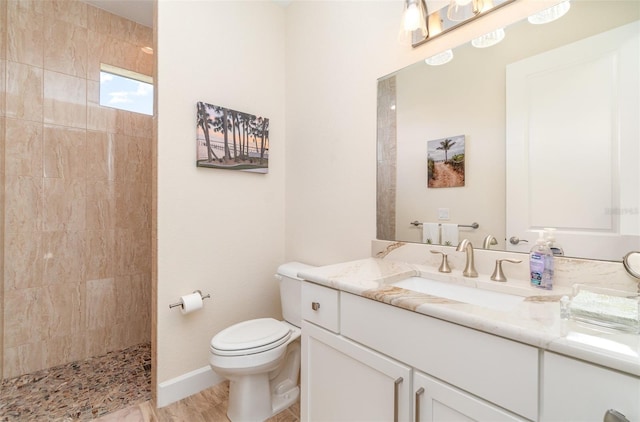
[[257, 397]]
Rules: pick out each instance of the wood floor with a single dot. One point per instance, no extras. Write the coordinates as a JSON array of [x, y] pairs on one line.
[[207, 406]]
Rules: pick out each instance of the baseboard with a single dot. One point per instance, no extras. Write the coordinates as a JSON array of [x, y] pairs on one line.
[[186, 385]]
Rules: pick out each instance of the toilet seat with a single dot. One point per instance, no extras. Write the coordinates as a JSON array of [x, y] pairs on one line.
[[249, 337]]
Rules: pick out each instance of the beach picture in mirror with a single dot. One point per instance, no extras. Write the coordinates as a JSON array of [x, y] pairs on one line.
[[230, 139], [445, 162]]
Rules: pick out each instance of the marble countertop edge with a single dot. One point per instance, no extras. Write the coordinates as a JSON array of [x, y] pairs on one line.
[[536, 321]]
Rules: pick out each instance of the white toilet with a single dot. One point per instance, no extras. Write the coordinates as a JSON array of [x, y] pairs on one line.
[[261, 357]]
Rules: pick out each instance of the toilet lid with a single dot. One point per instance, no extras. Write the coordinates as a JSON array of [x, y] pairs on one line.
[[251, 336]]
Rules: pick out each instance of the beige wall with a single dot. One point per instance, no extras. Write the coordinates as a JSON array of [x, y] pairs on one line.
[[220, 231], [77, 188], [335, 53], [226, 232]]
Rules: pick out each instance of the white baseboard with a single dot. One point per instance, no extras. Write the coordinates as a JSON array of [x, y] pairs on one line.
[[185, 385]]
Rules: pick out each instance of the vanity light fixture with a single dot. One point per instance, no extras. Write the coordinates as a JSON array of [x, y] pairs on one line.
[[440, 58], [435, 24], [461, 10], [414, 17], [550, 14], [489, 39]]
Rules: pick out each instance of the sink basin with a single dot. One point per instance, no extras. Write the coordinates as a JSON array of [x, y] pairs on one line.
[[471, 295]]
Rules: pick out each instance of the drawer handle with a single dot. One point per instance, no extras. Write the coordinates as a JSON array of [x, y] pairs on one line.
[[417, 400], [315, 305], [396, 388]]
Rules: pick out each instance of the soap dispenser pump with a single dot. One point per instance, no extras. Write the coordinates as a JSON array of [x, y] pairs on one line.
[[541, 263]]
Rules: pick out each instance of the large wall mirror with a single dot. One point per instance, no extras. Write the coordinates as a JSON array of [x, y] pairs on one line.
[[549, 119]]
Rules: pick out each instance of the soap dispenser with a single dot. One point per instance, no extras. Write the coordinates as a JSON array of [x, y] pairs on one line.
[[550, 234], [541, 263]]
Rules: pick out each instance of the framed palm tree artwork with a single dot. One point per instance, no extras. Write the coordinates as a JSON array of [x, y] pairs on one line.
[[445, 162], [230, 139]]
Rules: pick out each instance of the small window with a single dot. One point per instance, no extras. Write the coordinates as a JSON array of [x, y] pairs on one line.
[[126, 90]]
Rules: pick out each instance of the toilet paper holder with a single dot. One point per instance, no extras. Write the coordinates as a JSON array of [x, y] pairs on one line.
[[174, 305]]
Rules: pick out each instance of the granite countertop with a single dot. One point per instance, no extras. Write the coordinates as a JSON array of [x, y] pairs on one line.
[[534, 321]]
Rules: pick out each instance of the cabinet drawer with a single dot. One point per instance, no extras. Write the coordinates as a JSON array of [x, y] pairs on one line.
[[320, 306], [498, 370], [576, 390]]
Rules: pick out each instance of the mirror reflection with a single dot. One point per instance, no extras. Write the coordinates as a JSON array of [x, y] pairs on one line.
[[549, 119]]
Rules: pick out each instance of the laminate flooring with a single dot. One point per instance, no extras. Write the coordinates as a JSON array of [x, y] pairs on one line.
[[209, 405]]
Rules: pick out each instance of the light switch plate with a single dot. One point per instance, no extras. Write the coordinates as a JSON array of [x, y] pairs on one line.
[[443, 213]]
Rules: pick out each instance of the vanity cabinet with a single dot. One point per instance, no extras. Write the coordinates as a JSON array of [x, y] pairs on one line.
[[574, 390], [372, 365], [436, 401], [344, 381]]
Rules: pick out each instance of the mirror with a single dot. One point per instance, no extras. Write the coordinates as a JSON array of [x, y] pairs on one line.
[[466, 97], [631, 263]]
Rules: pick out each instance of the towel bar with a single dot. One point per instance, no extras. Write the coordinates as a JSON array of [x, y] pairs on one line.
[[472, 225]]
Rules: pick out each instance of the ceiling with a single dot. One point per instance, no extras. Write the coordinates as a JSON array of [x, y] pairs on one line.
[[140, 11]]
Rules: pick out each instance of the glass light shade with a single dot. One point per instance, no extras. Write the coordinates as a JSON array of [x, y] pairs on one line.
[[414, 18], [489, 39], [550, 14], [440, 58], [461, 10]]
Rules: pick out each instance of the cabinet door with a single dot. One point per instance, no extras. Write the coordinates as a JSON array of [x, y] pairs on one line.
[[344, 381], [573, 390], [435, 401]]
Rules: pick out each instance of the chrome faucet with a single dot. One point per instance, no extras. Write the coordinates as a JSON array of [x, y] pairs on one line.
[[469, 268], [489, 241]]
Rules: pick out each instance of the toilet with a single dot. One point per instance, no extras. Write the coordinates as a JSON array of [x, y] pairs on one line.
[[261, 357]]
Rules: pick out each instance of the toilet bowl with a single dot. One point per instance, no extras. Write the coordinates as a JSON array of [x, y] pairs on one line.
[[261, 357]]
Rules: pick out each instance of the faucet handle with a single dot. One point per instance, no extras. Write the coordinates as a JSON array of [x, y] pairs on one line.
[[444, 265], [498, 274]]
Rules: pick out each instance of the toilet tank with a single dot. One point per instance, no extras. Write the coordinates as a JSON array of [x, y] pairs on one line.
[[290, 291]]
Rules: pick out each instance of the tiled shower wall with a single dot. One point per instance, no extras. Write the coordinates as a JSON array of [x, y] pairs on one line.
[[76, 226]]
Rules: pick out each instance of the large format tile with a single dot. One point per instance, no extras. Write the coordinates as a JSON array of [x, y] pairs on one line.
[[23, 148], [100, 246], [65, 100], [25, 35], [24, 98], [65, 152], [101, 303], [23, 203], [3, 90], [101, 155], [71, 11], [64, 256], [67, 48], [24, 263], [3, 33], [101, 205], [22, 359], [64, 204]]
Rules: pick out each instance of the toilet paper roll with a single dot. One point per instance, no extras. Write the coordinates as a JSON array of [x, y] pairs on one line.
[[190, 303]]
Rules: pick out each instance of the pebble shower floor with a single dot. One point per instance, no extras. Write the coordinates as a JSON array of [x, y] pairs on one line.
[[79, 391]]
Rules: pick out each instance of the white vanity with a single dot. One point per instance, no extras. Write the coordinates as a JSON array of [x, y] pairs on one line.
[[372, 351]]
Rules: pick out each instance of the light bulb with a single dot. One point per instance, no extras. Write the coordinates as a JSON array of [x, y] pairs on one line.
[[412, 17]]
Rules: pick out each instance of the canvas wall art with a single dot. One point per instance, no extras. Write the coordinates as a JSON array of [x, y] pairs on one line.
[[445, 162], [230, 139]]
